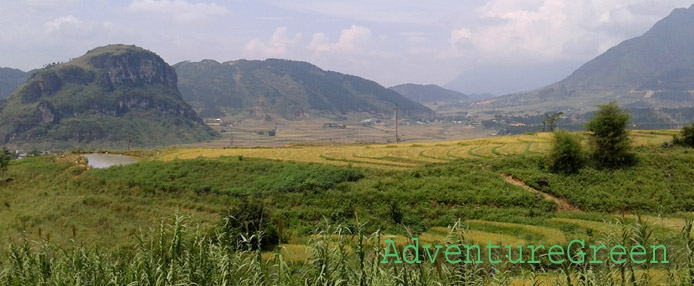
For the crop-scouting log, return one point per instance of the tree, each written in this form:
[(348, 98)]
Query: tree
[(5, 158), (686, 137), (549, 123), (566, 155), (609, 137)]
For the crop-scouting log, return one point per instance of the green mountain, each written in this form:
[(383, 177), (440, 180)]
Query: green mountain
[(112, 96), (653, 70), (288, 89), (10, 80), (429, 93)]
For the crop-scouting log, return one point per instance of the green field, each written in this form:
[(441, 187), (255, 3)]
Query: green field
[(319, 200)]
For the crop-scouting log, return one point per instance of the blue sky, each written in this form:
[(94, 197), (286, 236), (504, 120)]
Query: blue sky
[(497, 46)]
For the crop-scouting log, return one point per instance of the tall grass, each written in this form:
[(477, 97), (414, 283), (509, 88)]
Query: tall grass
[(178, 254)]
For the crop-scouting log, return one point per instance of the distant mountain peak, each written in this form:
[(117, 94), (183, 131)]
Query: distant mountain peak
[(429, 93), (655, 69)]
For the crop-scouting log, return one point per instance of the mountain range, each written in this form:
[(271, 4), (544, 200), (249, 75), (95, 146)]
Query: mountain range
[(112, 96), (654, 70), (429, 94), (286, 89), (121, 94)]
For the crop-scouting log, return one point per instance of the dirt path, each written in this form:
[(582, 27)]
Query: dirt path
[(562, 204)]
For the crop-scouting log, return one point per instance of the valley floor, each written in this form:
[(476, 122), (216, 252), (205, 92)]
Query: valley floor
[(493, 189)]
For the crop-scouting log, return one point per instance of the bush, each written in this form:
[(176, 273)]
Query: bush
[(243, 225), (609, 137), (686, 137), (566, 155), (395, 212)]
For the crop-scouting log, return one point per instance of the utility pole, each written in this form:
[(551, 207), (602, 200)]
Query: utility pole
[(231, 137), (129, 132), (397, 136)]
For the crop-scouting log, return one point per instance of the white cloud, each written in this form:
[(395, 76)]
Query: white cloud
[(549, 30), (352, 41), (460, 40), (61, 22), (277, 46), (182, 11)]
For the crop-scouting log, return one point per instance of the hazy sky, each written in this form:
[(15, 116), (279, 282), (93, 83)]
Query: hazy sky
[(499, 46)]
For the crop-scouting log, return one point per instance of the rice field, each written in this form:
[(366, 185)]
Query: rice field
[(545, 234), (600, 227), (406, 156), (401, 156)]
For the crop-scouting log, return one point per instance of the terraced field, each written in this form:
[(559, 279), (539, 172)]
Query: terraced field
[(402, 156), (558, 230)]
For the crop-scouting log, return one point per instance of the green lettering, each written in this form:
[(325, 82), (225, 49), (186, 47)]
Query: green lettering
[(489, 248), (532, 253), (553, 252), (654, 247), (390, 243), (416, 252), (479, 254), (437, 247), (621, 253), (520, 255), (595, 253), (580, 253), (633, 252), (448, 252)]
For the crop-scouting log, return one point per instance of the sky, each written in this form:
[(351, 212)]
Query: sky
[(474, 46)]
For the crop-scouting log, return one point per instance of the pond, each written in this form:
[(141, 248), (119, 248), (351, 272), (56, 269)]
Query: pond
[(102, 161)]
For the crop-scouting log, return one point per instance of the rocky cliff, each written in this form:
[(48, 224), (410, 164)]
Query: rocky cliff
[(110, 95)]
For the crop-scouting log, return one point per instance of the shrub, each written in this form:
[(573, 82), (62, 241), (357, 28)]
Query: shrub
[(686, 137), (566, 155), (609, 137), (396, 214), (243, 225)]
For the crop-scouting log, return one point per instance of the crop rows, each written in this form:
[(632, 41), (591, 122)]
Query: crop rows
[(402, 155)]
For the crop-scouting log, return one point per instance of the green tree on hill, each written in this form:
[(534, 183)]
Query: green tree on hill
[(549, 123), (566, 155), (609, 137), (686, 137), (5, 158)]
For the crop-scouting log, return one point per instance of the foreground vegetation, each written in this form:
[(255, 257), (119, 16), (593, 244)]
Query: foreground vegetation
[(70, 225), (175, 254)]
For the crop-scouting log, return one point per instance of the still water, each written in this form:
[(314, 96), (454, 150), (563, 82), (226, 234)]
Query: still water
[(102, 161)]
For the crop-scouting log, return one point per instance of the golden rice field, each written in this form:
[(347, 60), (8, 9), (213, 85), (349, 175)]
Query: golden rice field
[(405, 156), (402, 156)]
